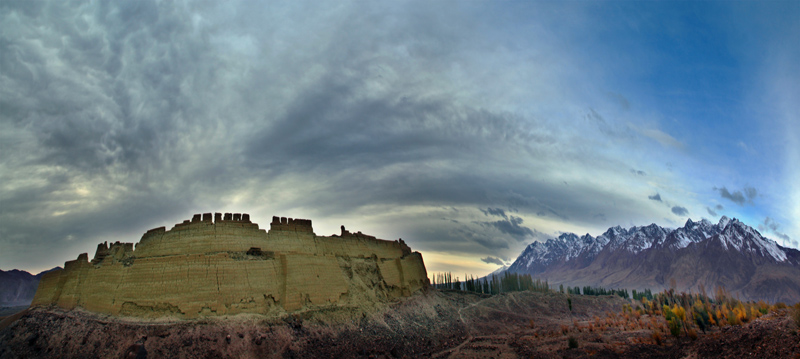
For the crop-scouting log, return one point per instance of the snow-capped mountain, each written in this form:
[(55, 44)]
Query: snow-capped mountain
[(498, 271), (727, 253), (740, 237)]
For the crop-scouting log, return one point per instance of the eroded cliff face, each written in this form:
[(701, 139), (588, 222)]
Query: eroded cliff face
[(229, 266)]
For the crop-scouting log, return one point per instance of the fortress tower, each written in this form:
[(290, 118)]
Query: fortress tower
[(227, 265)]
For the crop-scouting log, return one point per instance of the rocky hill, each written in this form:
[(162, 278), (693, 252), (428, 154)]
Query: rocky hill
[(699, 254), (228, 265)]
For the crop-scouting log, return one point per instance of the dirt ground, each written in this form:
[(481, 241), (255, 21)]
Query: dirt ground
[(438, 324)]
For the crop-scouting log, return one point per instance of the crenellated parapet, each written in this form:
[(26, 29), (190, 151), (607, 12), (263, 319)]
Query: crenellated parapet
[(206, 219), (291, 224)]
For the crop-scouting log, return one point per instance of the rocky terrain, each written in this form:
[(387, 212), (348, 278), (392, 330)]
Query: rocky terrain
[(438, 324), (699, 254)]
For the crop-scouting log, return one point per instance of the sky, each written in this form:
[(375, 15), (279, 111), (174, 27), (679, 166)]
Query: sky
[(469, 129)]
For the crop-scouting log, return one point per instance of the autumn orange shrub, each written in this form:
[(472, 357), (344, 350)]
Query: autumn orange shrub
[(656, 338)]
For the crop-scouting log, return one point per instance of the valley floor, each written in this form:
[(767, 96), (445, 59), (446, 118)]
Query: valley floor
[(438, 324)]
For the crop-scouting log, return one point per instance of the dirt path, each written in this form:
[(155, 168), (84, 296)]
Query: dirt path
[(479, 346)]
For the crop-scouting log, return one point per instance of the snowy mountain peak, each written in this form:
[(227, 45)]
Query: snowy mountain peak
[(568, 237), (743, 238), (732, 234), (723, 222), (498, 271)]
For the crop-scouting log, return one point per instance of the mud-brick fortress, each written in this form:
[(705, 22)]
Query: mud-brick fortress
[(226, 265)]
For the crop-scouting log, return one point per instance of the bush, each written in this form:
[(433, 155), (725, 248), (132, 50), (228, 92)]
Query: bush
[(572, 343), (656, 338), (675, 327), (734, 319), (796, 314), (692, 334), (701, 318)]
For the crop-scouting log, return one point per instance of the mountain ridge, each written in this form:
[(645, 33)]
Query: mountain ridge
[(697, 255), (17, 287)]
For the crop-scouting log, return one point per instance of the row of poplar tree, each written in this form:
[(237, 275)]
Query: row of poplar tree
[(513, 282), (493, 284)]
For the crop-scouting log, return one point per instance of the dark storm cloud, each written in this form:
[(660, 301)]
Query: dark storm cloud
[(492, 260), (680, 211), (655, 197), (511, 226), (490, 243), (334, 126), (495, 212), (746, 195), (99, 97)]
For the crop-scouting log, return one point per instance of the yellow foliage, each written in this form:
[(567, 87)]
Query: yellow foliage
[(733, 318), (754, 313), (679, 312), (698, 303), (666, 311), (741, 313)]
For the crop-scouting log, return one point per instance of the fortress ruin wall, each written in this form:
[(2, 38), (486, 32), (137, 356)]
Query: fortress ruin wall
[(224, 264)]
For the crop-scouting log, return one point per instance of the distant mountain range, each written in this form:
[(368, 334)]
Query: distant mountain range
[(17, 287), (728, 253)]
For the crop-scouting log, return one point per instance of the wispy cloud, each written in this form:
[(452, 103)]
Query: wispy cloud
[(713, 211), (681, 211), (770, 225), (746, 195), (662, 137), (492, 260)]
